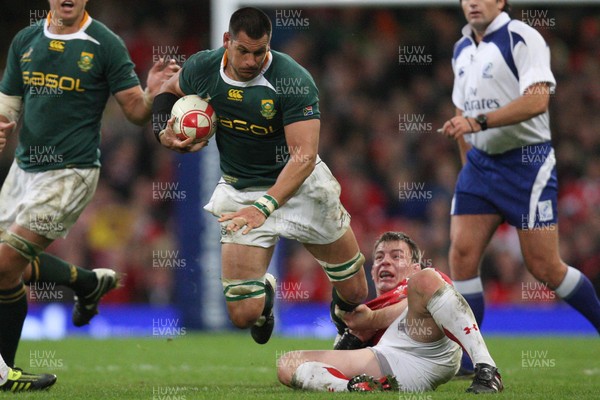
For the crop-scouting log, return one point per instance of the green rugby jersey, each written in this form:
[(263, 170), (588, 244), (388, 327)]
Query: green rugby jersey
[(65, 82), (252, 115)]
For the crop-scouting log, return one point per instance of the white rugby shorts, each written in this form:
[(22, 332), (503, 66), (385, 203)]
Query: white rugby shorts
[(47, 203), (417, 366), (313, 215)]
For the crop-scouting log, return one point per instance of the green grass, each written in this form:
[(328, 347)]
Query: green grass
[(231, 366)]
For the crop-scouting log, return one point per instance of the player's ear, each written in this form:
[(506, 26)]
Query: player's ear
[(226, 39), (501, 4)]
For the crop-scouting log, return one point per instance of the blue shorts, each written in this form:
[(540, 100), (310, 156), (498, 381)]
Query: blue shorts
[(520, 185)]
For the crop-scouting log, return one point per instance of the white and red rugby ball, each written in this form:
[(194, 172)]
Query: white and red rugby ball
[(194, 118)]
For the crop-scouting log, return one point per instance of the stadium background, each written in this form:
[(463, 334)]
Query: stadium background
[(385, 80)]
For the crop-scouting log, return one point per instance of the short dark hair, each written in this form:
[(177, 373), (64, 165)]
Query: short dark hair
[(254, 22), (416, 255), (506, 7)]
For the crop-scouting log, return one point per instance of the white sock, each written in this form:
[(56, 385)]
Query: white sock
[(313, 375), (453, 315), (4, 369), (470, 286), (569, 283)]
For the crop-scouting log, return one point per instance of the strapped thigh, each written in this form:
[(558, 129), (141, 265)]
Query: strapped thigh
[(345, 270), (24, 247)]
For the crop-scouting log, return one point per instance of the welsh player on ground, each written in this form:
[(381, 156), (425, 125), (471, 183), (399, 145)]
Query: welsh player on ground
[(406, 339)]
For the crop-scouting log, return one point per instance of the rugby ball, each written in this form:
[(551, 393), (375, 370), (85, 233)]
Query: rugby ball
[(194, 118)]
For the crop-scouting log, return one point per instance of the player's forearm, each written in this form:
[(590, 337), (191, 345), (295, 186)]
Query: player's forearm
[(365, 320), (302, 139), (293, 175), (141, 109), (136, 104)]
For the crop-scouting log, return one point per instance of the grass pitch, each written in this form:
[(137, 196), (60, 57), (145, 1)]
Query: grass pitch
[(232, 366)]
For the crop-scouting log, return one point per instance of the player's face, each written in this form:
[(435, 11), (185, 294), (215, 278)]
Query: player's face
[(67, 13), (245, 56), (480, 13), (392, 264)]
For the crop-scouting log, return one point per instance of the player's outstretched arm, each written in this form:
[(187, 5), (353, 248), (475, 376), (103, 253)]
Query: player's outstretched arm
[(137, 103)]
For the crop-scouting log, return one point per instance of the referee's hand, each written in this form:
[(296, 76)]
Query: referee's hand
[(458, 126)]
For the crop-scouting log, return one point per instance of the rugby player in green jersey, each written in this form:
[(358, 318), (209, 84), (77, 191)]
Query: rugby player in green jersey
[(273, 182), (59, 75)]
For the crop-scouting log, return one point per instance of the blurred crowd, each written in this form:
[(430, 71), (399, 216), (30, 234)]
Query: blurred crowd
[(385, 83)]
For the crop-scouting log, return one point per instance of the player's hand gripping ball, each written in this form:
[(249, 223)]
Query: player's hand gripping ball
[(194, 118)]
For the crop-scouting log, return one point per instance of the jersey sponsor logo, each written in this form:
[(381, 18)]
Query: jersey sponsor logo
[(235, 95), (26, 57), (57, 45), (85, 61), (480, 104), (245, 126), (267, 108), (52, 81)]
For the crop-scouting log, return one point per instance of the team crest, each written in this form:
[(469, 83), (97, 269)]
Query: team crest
[(26, 57), (267, 108), (85, 61)]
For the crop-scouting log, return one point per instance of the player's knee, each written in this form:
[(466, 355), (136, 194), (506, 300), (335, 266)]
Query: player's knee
[(464, 262), (425, 283), (244, 317), (9, 280), (12, 265), (459, 252)]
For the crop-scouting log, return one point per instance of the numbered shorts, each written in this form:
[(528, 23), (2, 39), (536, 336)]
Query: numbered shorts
[(313, 215), (47, 203), (417, 366), (520, 185)]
